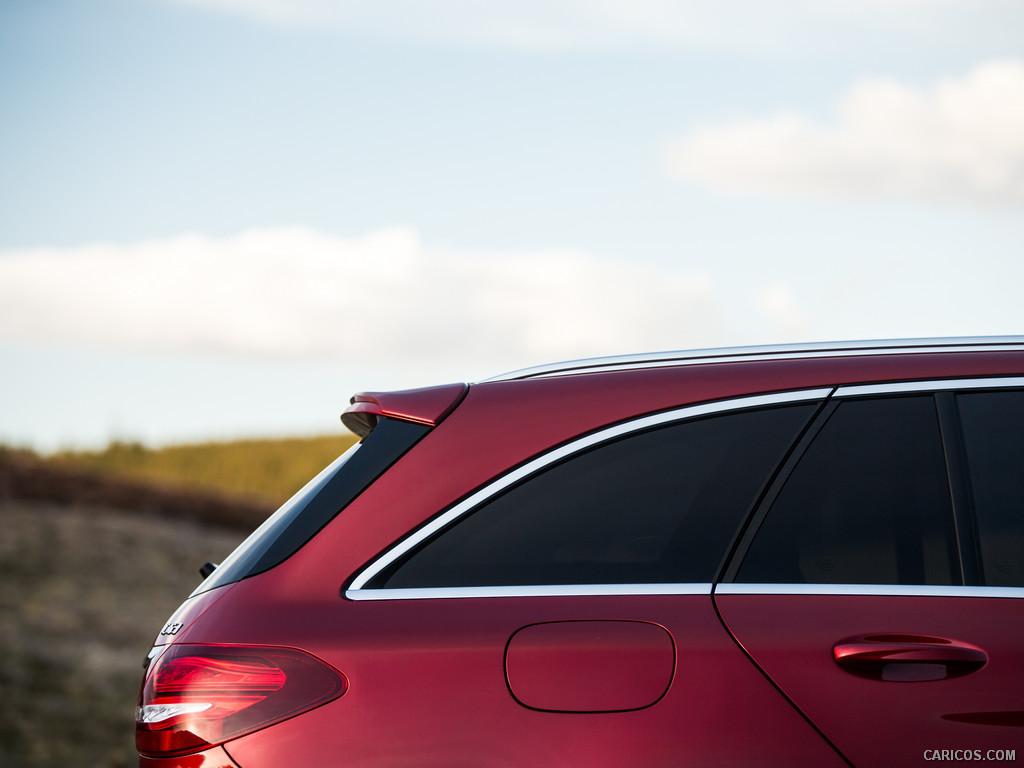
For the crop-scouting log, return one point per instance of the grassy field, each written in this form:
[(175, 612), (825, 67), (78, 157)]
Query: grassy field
[(96, 551), (268, 471)]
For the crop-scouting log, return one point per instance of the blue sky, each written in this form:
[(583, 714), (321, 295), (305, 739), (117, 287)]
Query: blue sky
[(221, 218)]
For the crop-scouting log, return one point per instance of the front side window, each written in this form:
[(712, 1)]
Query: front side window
[(993, 429), (868, 503), (659, 506)]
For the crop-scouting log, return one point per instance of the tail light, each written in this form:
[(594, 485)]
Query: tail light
[(197, 696)]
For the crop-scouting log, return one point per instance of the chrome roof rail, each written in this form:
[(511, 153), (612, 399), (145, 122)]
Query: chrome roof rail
[(779, 352)]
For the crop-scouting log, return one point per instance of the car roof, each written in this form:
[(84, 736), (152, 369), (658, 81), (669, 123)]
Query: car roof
[(763, 353), (667, 379)]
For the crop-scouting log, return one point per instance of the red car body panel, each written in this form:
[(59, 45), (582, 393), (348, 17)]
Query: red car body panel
[(423, 406), (604, 681), (879, 722), (208, 758), (498, 425), (428, 687), (590, 666)]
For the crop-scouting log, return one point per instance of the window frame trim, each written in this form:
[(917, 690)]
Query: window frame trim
[(933, 386), (881, 590), (356, 589), (527, 590)]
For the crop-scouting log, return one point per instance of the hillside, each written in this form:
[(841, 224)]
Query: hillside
[(94, 556), (83, 591)]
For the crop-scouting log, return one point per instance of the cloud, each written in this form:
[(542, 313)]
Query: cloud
[(383, 298), (959, 142), (778, 304), (736, 25)]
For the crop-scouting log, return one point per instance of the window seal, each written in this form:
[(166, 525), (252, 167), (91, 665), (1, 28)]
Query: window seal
[(555, 590), (881, 590), (926, 386)]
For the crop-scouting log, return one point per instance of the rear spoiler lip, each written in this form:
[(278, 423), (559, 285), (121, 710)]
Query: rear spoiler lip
[(427, 406)]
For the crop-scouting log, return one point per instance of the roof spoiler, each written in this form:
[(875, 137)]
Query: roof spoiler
[(421, 406)]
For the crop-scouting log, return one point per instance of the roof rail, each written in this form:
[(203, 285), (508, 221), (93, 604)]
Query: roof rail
[(778, 352)]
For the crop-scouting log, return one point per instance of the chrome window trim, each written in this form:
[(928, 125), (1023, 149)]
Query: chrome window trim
[(355, 589), (877, 590), (760, 353), (558, 590), (937, 385)]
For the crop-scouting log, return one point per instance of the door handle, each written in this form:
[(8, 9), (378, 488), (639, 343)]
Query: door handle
[(907, 658)]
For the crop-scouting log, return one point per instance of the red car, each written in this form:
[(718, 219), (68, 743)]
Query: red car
[(798, 556)]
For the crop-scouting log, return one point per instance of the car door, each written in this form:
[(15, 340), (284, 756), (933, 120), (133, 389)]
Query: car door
[(878, 587)]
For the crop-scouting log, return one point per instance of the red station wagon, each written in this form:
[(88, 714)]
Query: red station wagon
[(796, 556)]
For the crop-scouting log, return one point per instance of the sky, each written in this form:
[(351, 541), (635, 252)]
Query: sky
[(223, 218)]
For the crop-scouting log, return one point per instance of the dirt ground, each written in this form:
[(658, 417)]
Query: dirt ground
[(83, 592)]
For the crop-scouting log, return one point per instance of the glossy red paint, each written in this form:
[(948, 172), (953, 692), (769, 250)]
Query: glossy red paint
[(175, 629), (210, 758), (613, 680), (421, 406), (500, 424), (589, 666), (424, 406), (907, 657), (793, 637), (428, 687)]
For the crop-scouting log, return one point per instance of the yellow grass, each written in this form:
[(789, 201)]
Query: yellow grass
[(270, 470)]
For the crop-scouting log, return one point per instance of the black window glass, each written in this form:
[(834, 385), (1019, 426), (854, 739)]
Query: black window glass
[(993, 426), (868, 503), (659, 506), (282, 534)]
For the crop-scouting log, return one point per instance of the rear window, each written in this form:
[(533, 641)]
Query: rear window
[(653, 507), (301, 517)]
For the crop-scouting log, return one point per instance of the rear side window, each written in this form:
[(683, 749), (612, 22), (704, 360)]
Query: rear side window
[(654, 507), (993, 429), (868, 503), (309, 510)]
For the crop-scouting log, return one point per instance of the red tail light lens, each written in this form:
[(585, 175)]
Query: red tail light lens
[(196, 696)]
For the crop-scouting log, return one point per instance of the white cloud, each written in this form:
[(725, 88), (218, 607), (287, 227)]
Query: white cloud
[(960, 141), (785, 316), (380, 299), (738, 25)]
